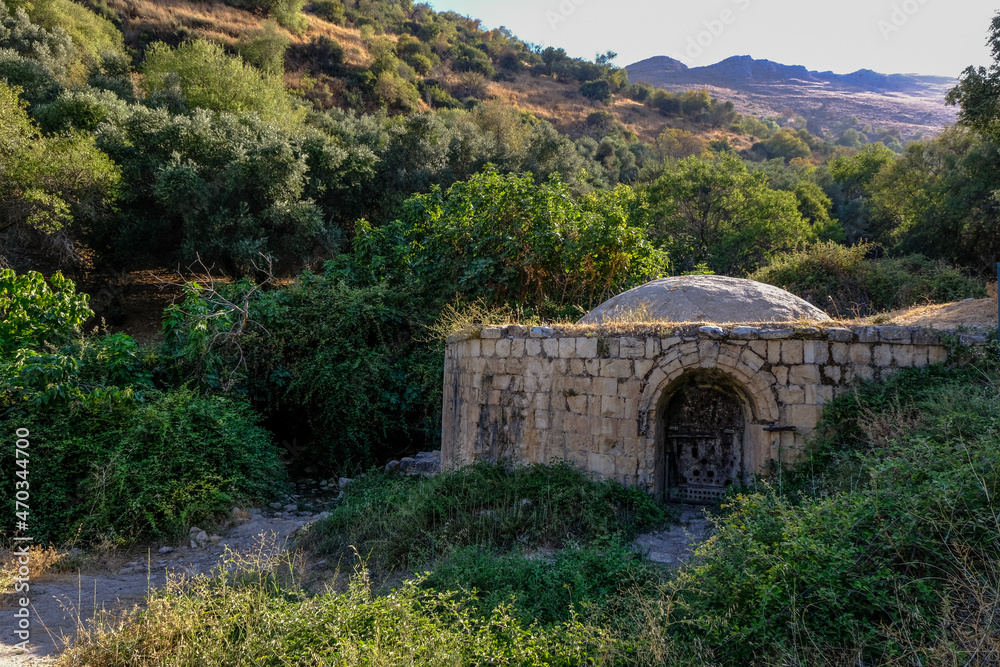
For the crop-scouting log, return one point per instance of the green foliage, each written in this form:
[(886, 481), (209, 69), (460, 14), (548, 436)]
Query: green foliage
[(94, 36), (504, 238), (254, 614), (843, 282), (142, 469), (330, 10), (265, 49), (939, 199), (785, 144), (206, 77), (287, 12), (52, 49), (337, 365), (544, 589), (716, 212), (229, 187), (977, 90), (46, 181), (597, 90), (34, 314), (401, 521)]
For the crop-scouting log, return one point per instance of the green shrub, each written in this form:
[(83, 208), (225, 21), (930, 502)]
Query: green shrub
[(142, 469), (402, 521), (331, 10), (859, 548), (35, 312), (209, 78), (843, 282), (265, 49), (545, 588), (254, 615)]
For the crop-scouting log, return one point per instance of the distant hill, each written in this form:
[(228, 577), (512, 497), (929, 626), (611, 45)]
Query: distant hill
[(907, 102)]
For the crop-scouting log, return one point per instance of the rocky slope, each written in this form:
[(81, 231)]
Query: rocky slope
[(908, 102)]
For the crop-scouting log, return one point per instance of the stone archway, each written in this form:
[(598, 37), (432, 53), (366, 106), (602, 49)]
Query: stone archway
[(702, 427)]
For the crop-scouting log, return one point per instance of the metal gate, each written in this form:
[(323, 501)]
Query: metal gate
[(704, 444)]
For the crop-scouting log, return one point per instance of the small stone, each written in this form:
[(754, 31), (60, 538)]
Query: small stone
[(344, 482), (215, 539), (165, 550), (541, 332), (201, 537), (775, 334), (712, 332), (392, 466), (194, 545), (276, 506), (745, 333), (194, 531), (290, 507)]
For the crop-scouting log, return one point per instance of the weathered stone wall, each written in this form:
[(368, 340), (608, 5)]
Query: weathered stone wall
[(534, 395)]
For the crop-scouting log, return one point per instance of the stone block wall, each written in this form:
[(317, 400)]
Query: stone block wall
[(593, 398)]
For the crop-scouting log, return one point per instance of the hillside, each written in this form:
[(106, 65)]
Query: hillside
[(909, 103)]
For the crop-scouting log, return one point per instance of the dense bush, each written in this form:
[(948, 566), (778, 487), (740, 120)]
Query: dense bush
[(542, 587), (400, 521), (227, 186), (716, 212), (200, 74), (253, 614), (150, 469), (842, 281), (337, 367), (507, 239), (866, 548), (112, 457)]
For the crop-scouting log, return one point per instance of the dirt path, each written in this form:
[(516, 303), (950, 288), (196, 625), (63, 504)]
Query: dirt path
[(60, 604), (676, 544)]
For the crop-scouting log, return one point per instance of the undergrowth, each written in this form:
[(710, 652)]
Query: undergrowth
[(882, 549), (396, 521)]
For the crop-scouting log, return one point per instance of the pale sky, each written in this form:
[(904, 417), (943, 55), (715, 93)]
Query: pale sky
[(940, 37)]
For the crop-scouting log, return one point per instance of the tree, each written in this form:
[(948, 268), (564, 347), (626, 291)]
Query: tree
[(47, 181), (509, 240), (978, 90), (716, 212), (206, 77)]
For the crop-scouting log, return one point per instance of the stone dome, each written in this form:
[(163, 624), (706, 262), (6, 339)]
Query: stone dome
[(705, 299)]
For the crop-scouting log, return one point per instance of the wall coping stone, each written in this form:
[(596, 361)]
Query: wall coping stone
[(862, 334)]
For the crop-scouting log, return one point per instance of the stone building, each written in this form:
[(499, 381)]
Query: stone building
[(681, 410)]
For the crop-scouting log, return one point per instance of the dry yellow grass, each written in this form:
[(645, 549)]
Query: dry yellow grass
[(562, 105)]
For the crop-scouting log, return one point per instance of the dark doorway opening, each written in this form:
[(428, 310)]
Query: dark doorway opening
[(703, 439)]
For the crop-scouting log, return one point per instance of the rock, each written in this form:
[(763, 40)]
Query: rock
[(276, 506), (392, 466), (215, 539), (705, 299), (194, 545), (424, 463), (194, 531), (290, 507), (344, 482), (165, 550), (201, 537)]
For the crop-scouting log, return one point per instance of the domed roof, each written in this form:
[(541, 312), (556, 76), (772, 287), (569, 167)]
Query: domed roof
[(705, 299)]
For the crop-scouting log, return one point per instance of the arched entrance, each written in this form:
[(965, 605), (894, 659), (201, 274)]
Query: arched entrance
[(703, 426)]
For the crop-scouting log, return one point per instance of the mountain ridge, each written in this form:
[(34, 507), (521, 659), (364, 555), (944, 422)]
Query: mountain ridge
[(912, 103)]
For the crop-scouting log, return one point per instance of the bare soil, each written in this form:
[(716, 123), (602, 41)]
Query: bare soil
[(120, 582), (971, 313)]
